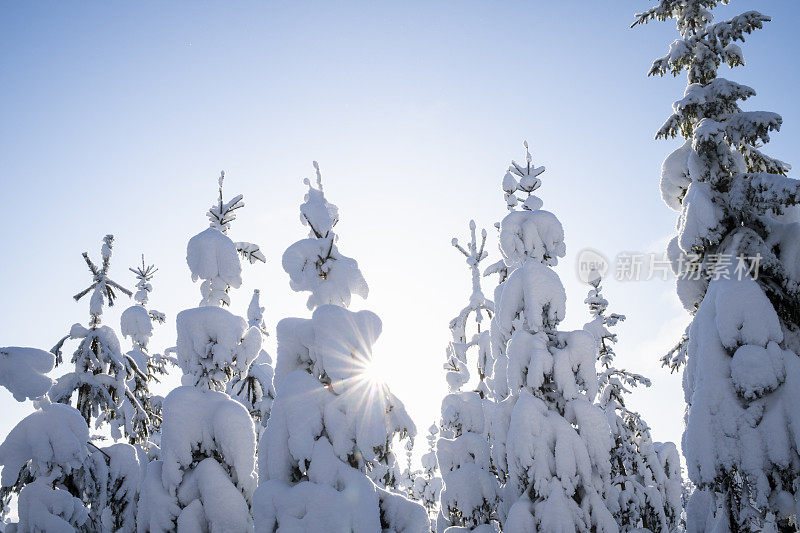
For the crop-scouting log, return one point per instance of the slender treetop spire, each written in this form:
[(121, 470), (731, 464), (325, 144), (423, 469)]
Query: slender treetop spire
[(474, 254), (102, 286), (319, 176), (524, 179), (144, 274), (222, 213)]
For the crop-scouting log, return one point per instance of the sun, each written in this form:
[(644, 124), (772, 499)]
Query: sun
[(375, 372)]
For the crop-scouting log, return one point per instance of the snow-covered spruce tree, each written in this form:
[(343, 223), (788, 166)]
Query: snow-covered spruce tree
[(44, 462), (551, 445), (328, 439), (62, 484), (255, 389), (736, 256), (426, 484), (136, 322), (101, 376), (206, 476), (23, 371), (469, 498), (645, 474)]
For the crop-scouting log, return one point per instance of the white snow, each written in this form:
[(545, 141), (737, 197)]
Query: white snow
[(51, 441), (317, 266), (212, 257), (208, 463), (42, 508), (22, 371), (534, 235), (675, 176), (213, 342), (135, 323)]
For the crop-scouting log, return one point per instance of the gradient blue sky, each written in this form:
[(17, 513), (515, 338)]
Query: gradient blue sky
[(117, 117)]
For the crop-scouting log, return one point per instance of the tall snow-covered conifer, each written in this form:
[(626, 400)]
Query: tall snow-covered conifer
[(325, 458), (100, 379), (255, 389), (44, 455), (205, 478), (136, 322), (64, 481), (645, 475), (551, 445), (736, 256), (44, 461), (469, 498), (427, 484)]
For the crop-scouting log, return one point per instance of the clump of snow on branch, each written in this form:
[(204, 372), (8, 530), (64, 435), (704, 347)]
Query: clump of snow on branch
[(213, 343), (23, 371)]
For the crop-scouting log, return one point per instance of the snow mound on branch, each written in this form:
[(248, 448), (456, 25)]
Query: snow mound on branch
[(463, 412), (534, 235), (545, 449), (317, 213), (212, 257), (466, 469), (135, 323), (22, 371), (534, 290), (336, 497), (700, 219), (529, 361), (756, 371), (52, 439), (209, 497), (207, 421), (256, 387), (356, 423), (44, 508), (574, 371), (317, 266), (343, 343), (118, 471), (157, 509), (335, 342), (213, 341), (732, 424), (744, 314), (675, 178)]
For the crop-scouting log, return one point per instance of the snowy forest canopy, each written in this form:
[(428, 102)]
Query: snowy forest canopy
[(536, 432)]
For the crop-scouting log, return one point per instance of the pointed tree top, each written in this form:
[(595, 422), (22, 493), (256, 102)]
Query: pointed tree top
[(221, 214), (102, 287), (524, 179), (319, 176), (144, 274)]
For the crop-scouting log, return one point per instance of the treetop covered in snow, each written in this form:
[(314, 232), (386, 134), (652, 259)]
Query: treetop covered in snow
[(325, 457), (315, 264), (213, 257), (102, 287)]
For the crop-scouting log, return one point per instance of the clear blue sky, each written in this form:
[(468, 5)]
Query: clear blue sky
[(116, 118)]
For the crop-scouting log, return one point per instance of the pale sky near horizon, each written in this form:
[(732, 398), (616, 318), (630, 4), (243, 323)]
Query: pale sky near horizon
[(116, 118)]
